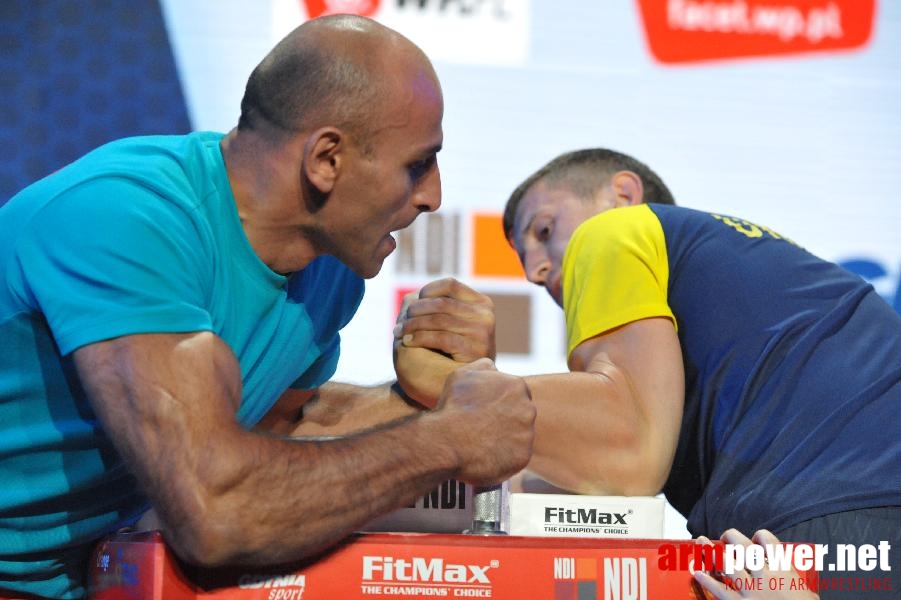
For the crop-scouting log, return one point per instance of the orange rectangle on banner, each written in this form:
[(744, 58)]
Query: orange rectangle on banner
[(492, 255), (681, 31)]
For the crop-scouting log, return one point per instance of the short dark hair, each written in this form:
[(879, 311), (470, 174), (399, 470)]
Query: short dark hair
[(583, 172)]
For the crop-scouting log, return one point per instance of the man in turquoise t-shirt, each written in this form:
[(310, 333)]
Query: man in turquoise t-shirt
[(170, 316)]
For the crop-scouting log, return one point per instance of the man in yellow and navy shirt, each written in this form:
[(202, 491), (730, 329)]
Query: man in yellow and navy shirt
[(755, 384)]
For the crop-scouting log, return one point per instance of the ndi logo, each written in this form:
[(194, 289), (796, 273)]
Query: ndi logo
[(623, 578)]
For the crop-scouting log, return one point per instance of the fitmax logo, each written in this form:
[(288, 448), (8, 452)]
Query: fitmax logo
[(583, 516), (434, 570)]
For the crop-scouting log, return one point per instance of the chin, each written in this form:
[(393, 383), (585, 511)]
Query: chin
[(367, 270), (373, 265), (366, 267), (370, 273)]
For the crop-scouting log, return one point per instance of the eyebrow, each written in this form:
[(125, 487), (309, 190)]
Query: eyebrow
[(522, 233), (528, 225), (427, 154)]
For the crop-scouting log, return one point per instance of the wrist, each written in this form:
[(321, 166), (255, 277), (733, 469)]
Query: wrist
[(421, 374), (398, 391), (443, 444)]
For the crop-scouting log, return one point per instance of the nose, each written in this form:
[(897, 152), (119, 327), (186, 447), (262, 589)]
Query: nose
[(537, 266), (427, 196)]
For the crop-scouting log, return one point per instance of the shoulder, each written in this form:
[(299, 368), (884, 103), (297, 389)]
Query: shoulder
[(619, 222), (611, 231), (148, 182)]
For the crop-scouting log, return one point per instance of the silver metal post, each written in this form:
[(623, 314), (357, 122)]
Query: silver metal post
[(488, 510)]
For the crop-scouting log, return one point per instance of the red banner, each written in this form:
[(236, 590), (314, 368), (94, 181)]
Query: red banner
[(682, 31)]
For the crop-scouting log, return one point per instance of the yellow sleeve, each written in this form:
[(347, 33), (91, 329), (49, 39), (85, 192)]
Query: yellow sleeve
[(615, 271)]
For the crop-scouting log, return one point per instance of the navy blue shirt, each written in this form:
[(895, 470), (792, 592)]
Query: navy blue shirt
[(792, 364)]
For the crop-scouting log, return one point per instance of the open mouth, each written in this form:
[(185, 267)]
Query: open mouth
[(393, 234)]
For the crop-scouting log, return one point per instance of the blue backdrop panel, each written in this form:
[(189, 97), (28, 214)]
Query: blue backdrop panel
[(77, 73)]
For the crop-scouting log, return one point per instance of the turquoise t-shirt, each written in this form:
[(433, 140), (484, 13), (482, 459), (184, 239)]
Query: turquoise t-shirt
[(140, 236)]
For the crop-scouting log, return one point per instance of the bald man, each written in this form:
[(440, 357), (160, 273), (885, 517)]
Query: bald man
[(170, 316)]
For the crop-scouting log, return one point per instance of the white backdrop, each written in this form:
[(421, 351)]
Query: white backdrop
[(805, 143)]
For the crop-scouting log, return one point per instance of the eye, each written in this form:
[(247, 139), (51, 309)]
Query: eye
[(543, 230), (418, 169)]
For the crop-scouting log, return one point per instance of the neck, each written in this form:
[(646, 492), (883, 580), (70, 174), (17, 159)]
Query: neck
[(269, 201)]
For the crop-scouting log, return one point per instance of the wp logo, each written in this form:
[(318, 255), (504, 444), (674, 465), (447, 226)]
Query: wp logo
[(686, 31)]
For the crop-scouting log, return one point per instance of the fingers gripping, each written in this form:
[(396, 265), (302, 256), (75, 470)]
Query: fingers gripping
[(448, 317)]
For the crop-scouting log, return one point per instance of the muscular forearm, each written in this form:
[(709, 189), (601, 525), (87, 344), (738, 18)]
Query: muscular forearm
[(226, 495), (340, 409), (592, 438), (611, 426), (306, 494)]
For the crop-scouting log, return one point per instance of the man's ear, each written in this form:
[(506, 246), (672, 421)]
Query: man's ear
[(323, 154), (627, 188)]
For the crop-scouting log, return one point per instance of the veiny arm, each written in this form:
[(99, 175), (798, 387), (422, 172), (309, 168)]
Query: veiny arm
[(227, 495), (611, 425)]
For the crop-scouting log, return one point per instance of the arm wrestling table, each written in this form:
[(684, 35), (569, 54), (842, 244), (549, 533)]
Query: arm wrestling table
[(480, 563), (138, 566)]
